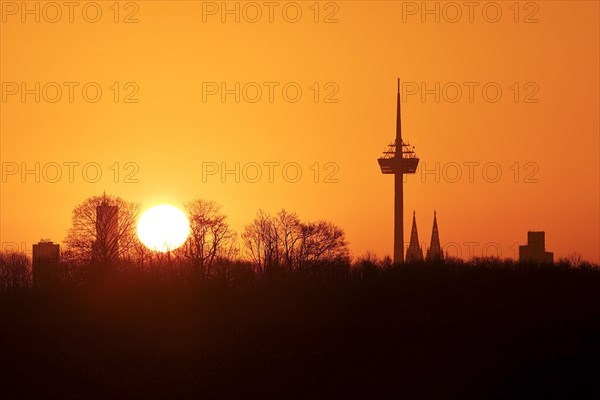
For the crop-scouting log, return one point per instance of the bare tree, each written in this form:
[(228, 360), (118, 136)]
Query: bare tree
[(102, 230), (323, 242), (15, 272), (290, 237), (573, 259), (261, 241), (284, 241), (210, 235)]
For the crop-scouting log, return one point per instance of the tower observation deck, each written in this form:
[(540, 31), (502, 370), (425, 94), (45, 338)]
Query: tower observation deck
[(398, 159)]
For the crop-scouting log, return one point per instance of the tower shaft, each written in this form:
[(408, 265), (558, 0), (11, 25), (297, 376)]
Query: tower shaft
[(398, 218)]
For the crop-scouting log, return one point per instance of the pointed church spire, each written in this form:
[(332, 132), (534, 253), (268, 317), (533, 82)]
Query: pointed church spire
[(414, 252), (435, 249)]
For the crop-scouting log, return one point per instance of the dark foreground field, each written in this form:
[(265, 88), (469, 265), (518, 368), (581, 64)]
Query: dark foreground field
[(423, 331)]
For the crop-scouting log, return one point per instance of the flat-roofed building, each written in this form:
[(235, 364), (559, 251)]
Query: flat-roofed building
[(535, 249), (46, 264)]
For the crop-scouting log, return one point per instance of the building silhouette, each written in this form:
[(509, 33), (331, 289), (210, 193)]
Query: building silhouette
[(535, 249), (105, 248), (398, 159), (46, 264), (434, 252), (414, 252)]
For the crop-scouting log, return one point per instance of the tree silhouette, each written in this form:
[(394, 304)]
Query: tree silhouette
[(574, 259), (261, 241), (102, 230), (285, 241), (15, 272), (290, 236), (210, 236), (323, 242)]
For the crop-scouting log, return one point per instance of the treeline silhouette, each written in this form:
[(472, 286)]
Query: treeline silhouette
[(487, 328), (291, 315), (174, 269), (102, 244)]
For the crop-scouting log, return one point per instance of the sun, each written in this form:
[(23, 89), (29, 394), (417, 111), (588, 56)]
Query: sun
[(163, 228)]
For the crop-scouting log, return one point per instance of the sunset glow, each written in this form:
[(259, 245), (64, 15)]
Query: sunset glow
[(223, 118), (324, 199)]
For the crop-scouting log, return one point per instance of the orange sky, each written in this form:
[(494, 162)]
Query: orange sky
[(175, 129)]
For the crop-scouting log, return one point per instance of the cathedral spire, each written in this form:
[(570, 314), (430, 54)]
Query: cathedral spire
[(414, 252), (435, 249)]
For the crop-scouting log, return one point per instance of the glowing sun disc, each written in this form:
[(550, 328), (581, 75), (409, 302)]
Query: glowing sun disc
[(163, 228)]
